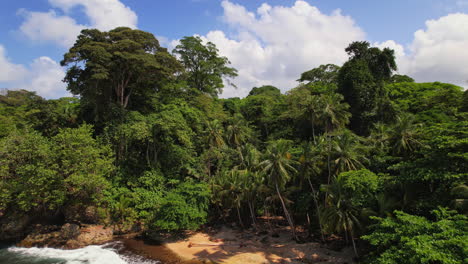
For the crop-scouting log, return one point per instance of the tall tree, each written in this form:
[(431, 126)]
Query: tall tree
[(348, 152), (278, 166), (333, 114), (310, 168), (205, 68), (107, 68), (361, 80), (327, 74), (403, 135)]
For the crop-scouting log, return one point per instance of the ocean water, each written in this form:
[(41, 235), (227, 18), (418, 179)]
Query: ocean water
[(111, 253)]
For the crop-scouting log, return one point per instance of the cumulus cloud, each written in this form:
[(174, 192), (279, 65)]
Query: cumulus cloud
[(9, 71), (50, 27), (276, 44), (438, 52), (63, 29), (103, 14), (43, 75)]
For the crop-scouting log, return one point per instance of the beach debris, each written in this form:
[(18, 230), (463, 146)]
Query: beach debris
[(191, 244)]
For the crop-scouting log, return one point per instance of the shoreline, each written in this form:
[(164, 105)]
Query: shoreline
[(220, 245), (235, 247)]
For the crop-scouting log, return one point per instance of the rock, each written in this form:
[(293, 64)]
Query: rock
[(68, 236), (265, 240), (52, 239), (81, 214), (14, 227), (91, 235), (69, 231)]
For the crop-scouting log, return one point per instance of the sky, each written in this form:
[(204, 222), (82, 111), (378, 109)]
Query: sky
[(269, 42)]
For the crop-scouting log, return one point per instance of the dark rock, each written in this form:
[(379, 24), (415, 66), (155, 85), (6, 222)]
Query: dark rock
[(265, 240), (14, 227), (68, 236), (81, 214), (69, 231)]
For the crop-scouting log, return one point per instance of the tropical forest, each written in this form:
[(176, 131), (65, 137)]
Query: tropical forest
[(355, 156)]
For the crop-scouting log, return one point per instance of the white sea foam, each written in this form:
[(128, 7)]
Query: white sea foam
[(105, 254)]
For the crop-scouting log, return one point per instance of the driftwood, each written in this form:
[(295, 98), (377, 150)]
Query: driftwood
[(240, 245)]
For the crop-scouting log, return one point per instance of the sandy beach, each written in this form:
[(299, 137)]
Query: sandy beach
[(235, 247)]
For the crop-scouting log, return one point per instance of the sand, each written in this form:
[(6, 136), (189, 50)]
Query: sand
[(233, 247)]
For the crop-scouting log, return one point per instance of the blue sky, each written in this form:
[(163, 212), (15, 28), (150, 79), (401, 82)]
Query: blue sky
[(271, 45)]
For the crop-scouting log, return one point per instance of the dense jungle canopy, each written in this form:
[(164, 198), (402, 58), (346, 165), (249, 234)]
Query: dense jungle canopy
[(354, 150)]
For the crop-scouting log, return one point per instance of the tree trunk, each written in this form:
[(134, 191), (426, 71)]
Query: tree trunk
[(286, 213), (252, 214), (354, 244), (316, 208), (313, 130), (239, 215), (328, 162)]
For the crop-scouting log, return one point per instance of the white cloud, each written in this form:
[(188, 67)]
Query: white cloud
[(276, 44), (50, 27), (63, 29), (9, 71), (438, 52), (103, 14), (43, 75)]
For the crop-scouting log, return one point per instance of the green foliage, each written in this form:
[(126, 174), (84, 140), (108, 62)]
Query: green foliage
[(397, 78), (41, 174), (266, 89), (108, 68), (21, 109), (184, 207), (326, 74), (205, 69), (184, 158), (29, 177), (262, 111), (413, 239), (361, 81), (431, 102), (83, 163), (359, 186)]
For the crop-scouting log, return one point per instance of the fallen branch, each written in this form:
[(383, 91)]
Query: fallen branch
[(215, 245)]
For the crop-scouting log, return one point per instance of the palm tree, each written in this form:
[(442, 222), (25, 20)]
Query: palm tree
[(214, 133), (277, 166), (333, 114), (380, 135), (241, 184), (340, 215), (403, 135), (253, 180), (309, 167), (238, 131), (348, 152), (214, 138), (231, 193), (303, 105)]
